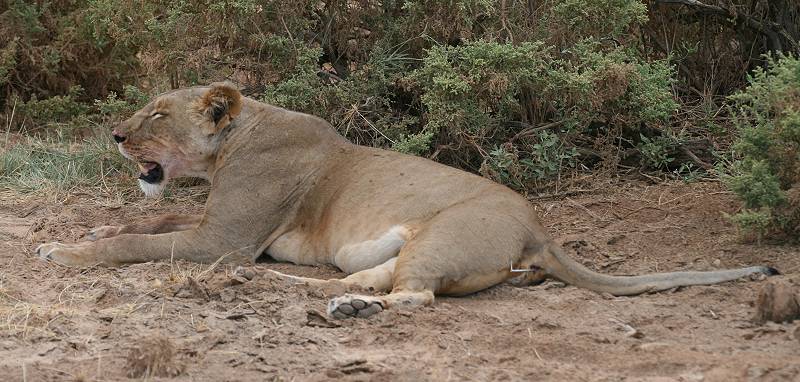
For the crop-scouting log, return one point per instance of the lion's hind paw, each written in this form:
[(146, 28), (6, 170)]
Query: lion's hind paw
[(349, 305)]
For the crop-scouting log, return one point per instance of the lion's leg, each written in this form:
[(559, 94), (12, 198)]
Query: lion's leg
[(151, 226), (200, 244), (408, 292), (378, 279), (457, 252)]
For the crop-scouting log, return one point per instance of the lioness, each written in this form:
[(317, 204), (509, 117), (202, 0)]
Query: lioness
[(286, 184)]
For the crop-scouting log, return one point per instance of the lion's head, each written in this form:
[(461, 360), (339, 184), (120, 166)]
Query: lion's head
[(177, 134)]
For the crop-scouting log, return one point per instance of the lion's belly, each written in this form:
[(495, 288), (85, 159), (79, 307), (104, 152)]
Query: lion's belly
[(351, 256), (295, 247)]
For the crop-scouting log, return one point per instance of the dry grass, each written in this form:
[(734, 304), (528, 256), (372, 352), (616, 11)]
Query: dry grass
[(153, 356), (24, 319), (62, 166), (26, 315)]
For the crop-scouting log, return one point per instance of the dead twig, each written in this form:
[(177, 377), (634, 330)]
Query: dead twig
[(582, 207), (530, 335), (9, 121), (530, 130), (768, 28), (695, 159), (555, 195)]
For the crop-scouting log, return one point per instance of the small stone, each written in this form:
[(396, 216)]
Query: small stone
[(653, 346), (238, 280), (334, 374), (227, 295), (635, 333), (245, 273), (778, 301), (555, 284), (317, 319)]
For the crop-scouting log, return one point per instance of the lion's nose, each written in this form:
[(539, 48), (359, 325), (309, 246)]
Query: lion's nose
[(119, 138)]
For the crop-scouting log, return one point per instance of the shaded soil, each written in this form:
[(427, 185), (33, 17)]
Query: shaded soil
[(203, 323)]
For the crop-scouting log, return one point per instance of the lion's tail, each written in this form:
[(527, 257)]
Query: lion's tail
[(560, 266)]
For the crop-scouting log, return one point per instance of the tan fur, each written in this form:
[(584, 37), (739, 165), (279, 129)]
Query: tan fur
[(161, 224), (286, 184)]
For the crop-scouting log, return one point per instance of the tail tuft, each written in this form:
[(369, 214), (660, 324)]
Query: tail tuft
[(770, 271)]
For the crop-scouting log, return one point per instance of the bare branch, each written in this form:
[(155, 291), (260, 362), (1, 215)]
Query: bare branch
[(772, 30)]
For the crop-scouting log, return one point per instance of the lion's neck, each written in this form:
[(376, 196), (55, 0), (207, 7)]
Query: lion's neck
[(280, 137)]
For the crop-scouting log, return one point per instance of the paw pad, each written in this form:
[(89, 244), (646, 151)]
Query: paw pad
[(352, 306)]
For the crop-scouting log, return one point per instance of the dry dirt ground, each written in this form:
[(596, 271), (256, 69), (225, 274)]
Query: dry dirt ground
[(200, 323)]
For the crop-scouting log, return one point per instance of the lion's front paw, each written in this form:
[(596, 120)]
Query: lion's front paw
[(102, 232), (74, 255)]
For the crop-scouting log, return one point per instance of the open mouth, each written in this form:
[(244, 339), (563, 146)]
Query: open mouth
[(151, 172)]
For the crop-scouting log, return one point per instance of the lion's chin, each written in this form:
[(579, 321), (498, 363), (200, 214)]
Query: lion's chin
[(151, 190), (151, 172)]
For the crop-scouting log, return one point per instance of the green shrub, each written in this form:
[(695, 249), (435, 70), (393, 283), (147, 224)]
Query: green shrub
[(114, 107), (53, 110), (521, 93), (476, 94), (766, 174), (360, 106), (8, 60), (547, 158), (600, 18), (50, 47), (414, 144)]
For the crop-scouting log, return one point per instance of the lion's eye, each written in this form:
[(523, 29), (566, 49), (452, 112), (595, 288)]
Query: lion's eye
[(157, 115)]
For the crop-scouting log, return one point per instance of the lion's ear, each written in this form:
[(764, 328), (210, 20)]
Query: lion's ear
[(219, 106)]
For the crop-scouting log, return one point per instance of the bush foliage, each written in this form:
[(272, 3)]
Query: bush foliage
[(766, 174), (526, 93)]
